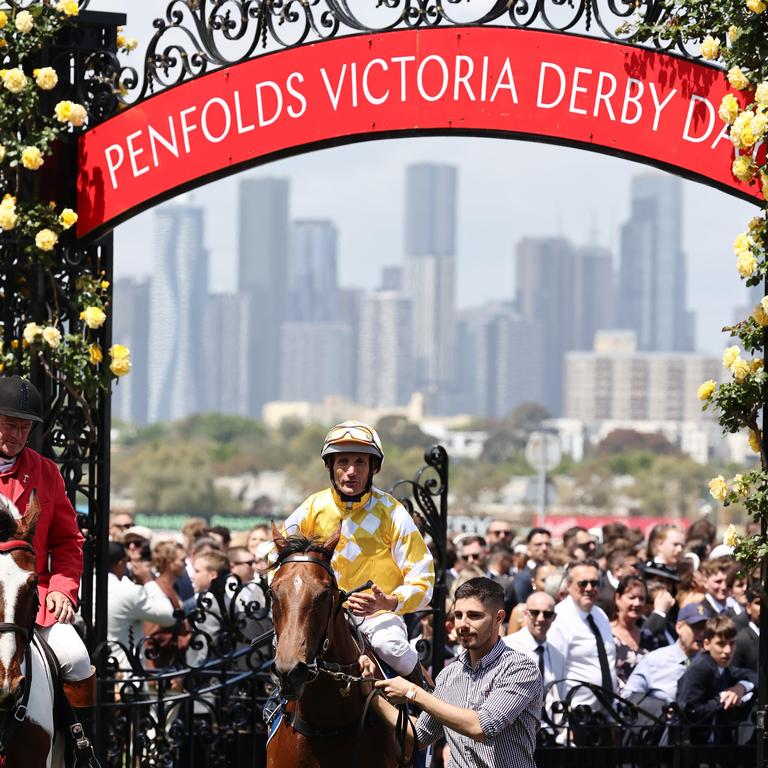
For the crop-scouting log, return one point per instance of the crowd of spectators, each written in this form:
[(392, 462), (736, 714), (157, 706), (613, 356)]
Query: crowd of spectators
[(666, 619)]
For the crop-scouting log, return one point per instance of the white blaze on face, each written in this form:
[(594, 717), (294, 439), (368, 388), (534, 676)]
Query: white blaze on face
[(12, 579), (298, 584)]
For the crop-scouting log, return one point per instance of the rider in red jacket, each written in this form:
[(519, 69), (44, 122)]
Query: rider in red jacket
[(58, 542)]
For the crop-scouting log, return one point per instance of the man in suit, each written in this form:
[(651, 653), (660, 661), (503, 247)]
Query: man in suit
[(716, 573), (532, 641), (745, 653), (539, 543), (714, 695)]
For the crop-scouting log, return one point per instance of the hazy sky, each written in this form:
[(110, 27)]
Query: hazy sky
[(507, 190)]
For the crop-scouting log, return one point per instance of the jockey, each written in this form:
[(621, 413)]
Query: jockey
[(379, 541), (57, 541)]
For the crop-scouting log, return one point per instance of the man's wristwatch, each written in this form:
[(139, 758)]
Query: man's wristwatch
[(410, 694)]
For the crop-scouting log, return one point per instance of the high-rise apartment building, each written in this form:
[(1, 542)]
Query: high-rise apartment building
[(652, 275), (313, 287), (177, 299), (597, 293), (227, 328), (618, 382), (384, 350), (548, 280), (263, 266), (130, 326), (500, 360), (429, 275), (316, 361)]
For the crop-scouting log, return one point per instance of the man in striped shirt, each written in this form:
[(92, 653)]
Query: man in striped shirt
[(487, 704)]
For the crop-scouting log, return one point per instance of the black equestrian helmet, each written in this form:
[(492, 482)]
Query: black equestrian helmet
[(19, 398)]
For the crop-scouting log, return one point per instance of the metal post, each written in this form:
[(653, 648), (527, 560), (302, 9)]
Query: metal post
[(762, 664)]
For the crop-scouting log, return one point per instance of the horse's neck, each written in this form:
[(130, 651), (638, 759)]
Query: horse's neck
[(342, 646)]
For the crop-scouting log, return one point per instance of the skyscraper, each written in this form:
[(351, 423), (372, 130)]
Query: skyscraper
[(263, 264), (596, 293), (547, 275), (652, 276), (313, 290), (429, 275), (130, 326), (177, 299), (384, 351)]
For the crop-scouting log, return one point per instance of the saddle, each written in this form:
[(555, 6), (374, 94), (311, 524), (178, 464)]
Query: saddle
[(79, 752)]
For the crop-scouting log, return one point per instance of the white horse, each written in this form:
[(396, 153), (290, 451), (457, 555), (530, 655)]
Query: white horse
[(26, 727)]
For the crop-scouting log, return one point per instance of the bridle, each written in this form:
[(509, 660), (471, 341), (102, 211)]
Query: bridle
[(10, 720)]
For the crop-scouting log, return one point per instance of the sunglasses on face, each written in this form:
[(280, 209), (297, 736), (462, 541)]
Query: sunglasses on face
[(473, 556), (534, 612), (582, 583)]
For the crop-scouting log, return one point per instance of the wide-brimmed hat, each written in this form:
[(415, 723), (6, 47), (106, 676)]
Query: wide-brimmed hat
[(658, 571)]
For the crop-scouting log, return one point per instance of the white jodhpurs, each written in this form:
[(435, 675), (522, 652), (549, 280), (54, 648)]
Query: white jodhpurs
[(69, 649), (389, 638)]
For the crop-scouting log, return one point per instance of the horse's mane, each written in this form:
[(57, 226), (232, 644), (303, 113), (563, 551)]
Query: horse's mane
[(298, 544), (7, 520)]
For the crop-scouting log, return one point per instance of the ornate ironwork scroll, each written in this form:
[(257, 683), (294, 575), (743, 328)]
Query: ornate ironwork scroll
[(426, 499), (193, 37)]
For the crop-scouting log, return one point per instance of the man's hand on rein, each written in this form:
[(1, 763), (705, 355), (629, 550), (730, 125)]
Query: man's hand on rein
[(366, 604)]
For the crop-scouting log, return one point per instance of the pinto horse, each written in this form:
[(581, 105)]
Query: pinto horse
[(324, 723), (26, 686)]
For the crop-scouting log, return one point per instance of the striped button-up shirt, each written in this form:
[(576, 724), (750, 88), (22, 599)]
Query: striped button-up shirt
[(505, 690)]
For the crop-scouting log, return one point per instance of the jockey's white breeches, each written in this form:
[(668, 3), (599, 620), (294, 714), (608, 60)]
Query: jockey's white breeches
[(69, 649), (388, 636)]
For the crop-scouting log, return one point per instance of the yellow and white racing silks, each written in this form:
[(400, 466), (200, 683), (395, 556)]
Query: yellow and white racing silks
[(379, 541)]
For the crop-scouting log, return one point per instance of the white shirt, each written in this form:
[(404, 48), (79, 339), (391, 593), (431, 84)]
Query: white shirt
[(570, 634), (554, 663), (129, 605)]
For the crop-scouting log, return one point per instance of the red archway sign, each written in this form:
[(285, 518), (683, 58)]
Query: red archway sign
[(488, 81)]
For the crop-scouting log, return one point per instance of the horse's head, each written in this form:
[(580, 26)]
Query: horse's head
[(304, 602), (18, 594)]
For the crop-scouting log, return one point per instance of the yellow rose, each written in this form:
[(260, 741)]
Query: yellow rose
[(734, 33), (31, 158), (131, 44), (78, 115), (2, 153), (31, 332), (51, 336), (119, 352), (3, 19), (46, 240), (104, 285), (8, 219), (120, 366), (737, 78), (756, 225), (93, 317), (743, 168), (46, 78), (120, 41), (740, 370), (758, 125), (740, 488), (760, 316), (741, 131), (761, 94), (24, 22), (764, 183), (756, 6), (764, 304), (718, 488), (731, 539), (68, 7), (706, 390), (710, 48), (743, 244), (730, 356), (67, 218), (94, 354), (14, 80), (729, 109), (746, 264), (63, 110), (756, 364), (754, 441)]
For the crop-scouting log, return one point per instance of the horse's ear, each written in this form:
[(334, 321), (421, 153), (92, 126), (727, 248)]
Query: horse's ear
[(333, 540), (26, 526), (278, 538)]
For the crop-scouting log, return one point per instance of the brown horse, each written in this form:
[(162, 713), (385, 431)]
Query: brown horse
[(26, 687), (323, 723)]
